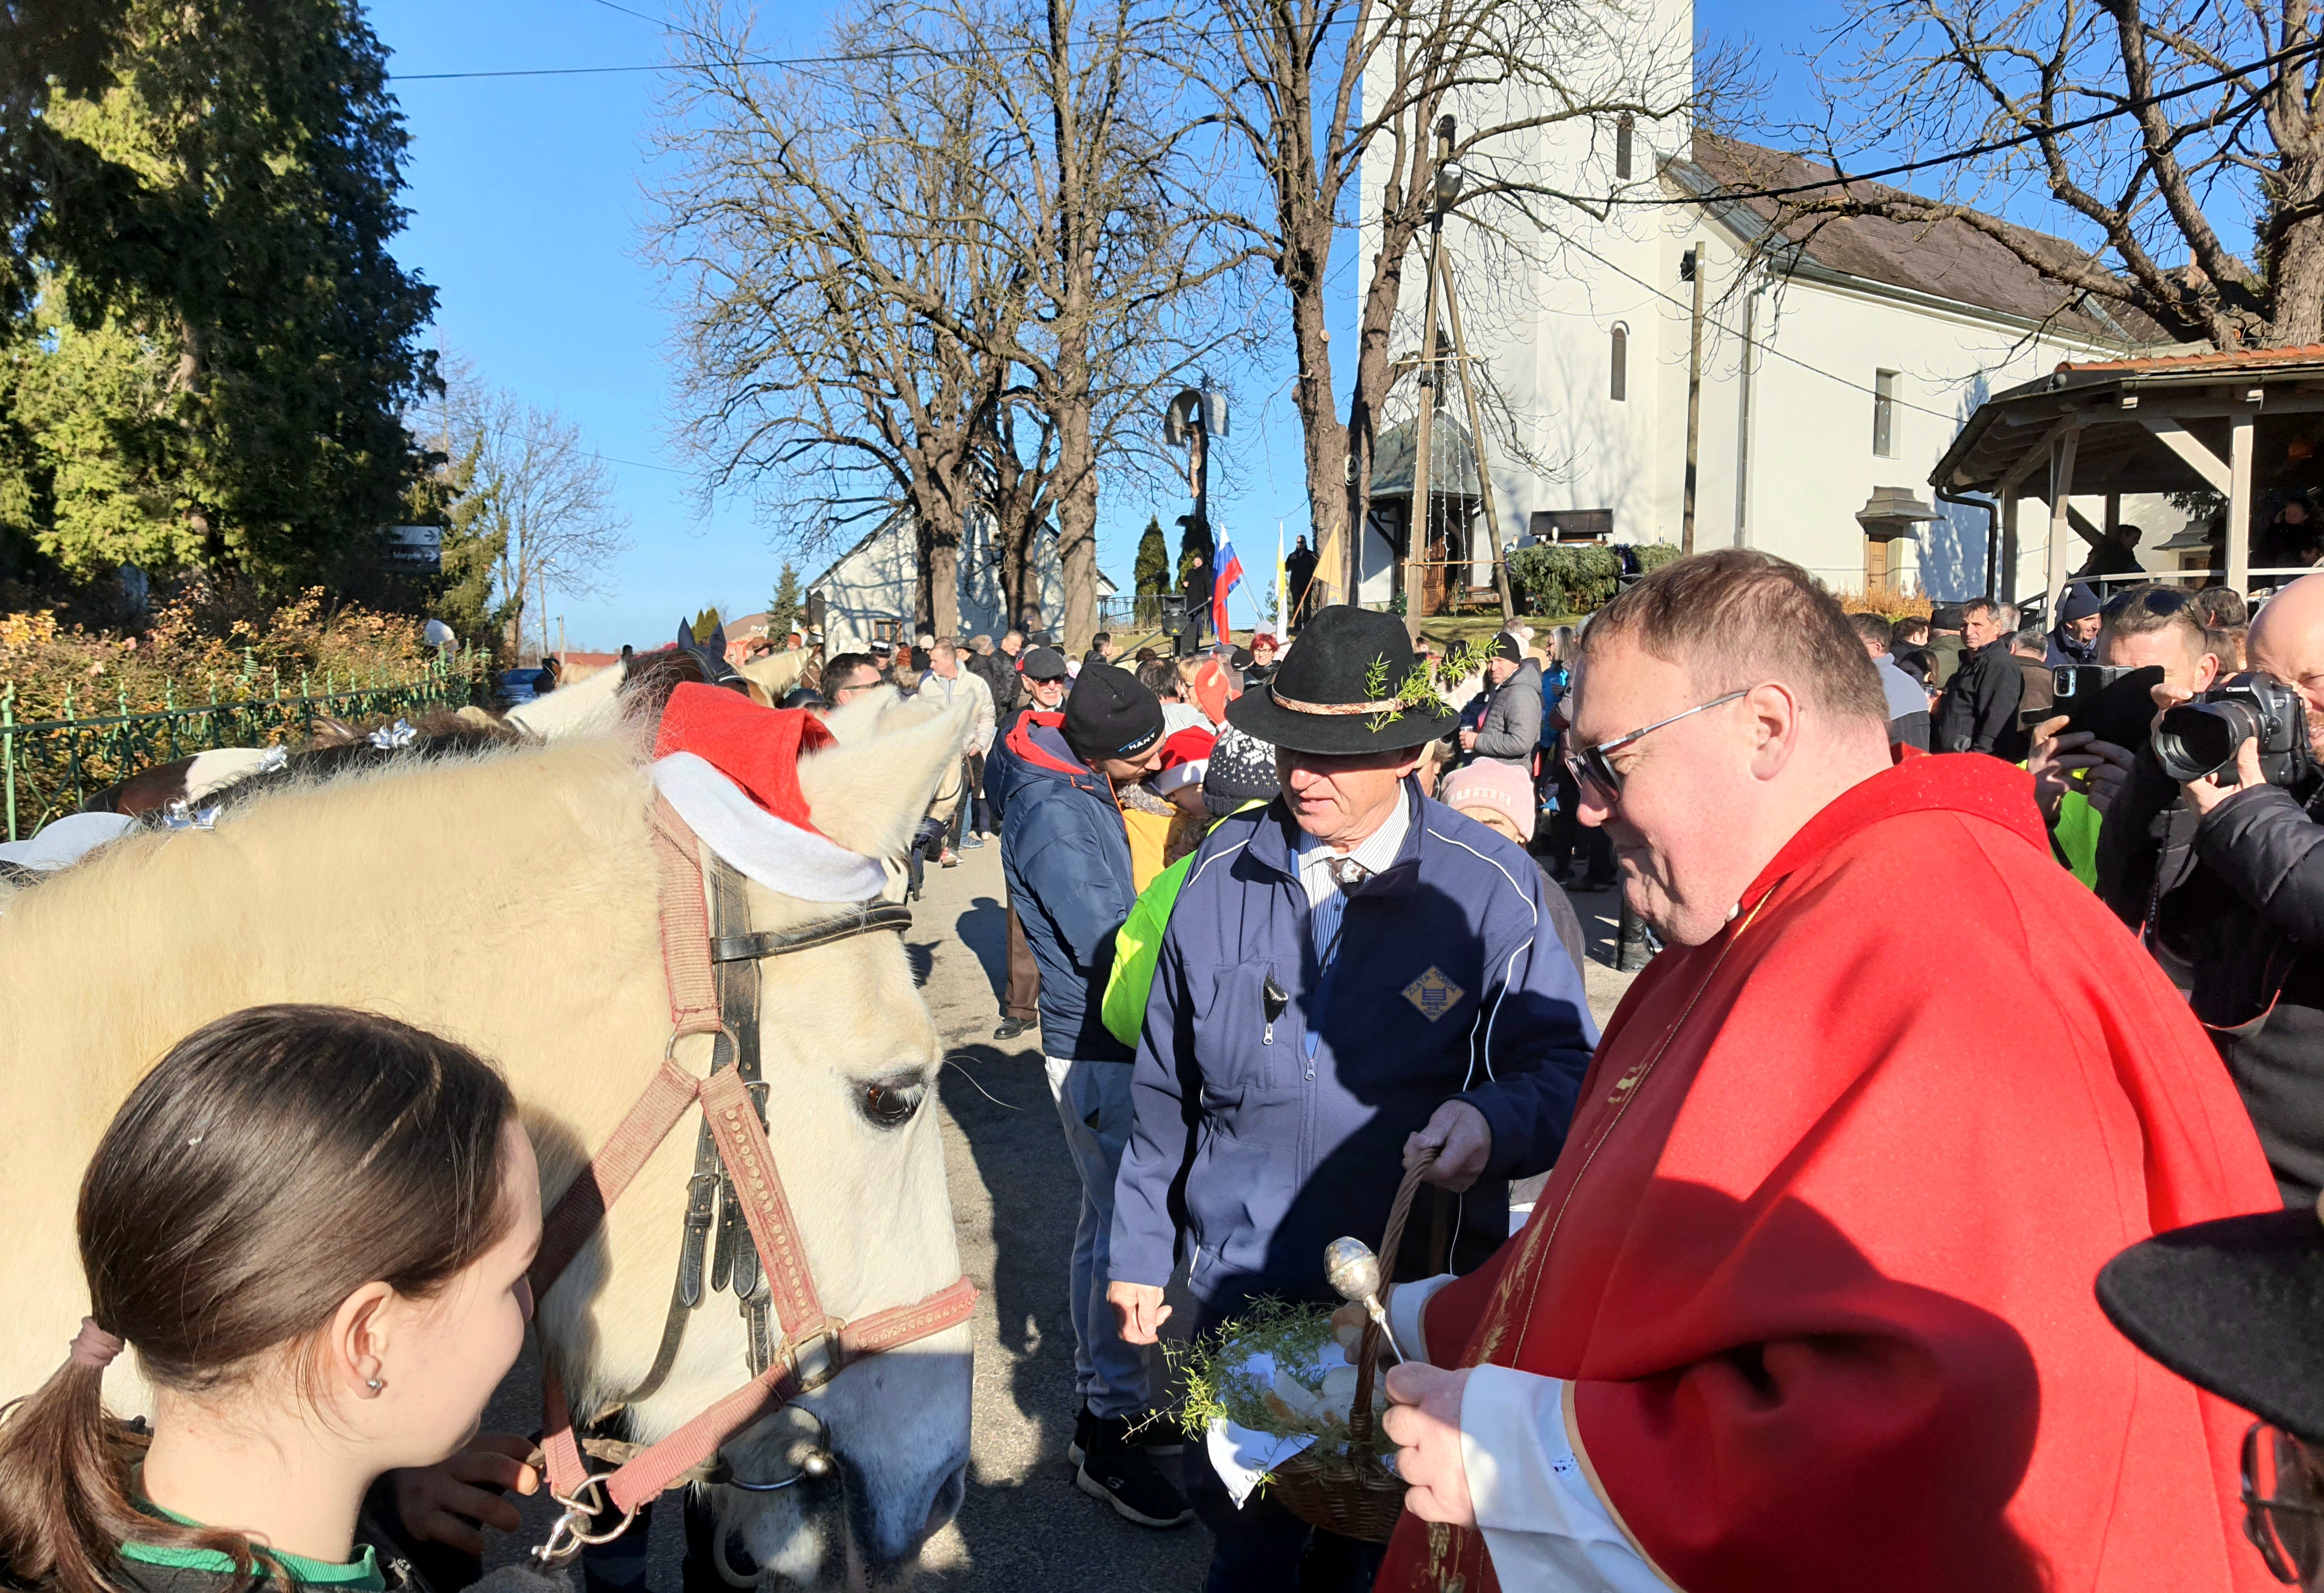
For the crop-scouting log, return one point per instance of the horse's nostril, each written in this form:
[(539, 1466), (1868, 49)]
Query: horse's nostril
[(946, 1504)]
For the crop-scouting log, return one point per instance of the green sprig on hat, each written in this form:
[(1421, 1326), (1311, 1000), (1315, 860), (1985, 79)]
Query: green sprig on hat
[(1418, 693)]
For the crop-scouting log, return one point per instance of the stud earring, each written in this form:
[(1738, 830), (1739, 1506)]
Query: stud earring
[(374, 1385)]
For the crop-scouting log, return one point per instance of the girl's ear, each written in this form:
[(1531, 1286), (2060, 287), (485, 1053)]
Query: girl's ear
[(356, 1348)]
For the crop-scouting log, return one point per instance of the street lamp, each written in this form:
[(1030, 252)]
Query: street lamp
[(1450, 178)]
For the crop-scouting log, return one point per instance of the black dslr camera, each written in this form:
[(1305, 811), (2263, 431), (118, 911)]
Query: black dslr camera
[(2203, 736)]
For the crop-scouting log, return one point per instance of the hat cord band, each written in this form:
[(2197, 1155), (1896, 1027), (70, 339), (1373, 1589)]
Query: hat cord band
[(1384, 705)]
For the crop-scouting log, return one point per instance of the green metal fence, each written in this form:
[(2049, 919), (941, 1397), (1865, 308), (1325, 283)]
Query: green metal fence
[(49, 766)]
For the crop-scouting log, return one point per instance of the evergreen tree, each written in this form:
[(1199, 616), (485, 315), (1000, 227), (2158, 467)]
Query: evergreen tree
[(782, 614), (1153, 571), (228, 309)]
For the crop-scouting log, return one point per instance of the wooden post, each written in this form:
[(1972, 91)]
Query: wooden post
[(2062, 530), (1416, 520), (1695, 263), (2005, 578), (2239, 499), (1477, 439)]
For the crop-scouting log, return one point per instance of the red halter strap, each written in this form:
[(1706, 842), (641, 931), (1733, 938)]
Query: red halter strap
[(816, 1347)]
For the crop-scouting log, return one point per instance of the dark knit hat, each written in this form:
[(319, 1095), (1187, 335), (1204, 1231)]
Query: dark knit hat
[(1945, 616), (1042, 663), (2080, 603), (1110, 715), (1242, 768), (1509, 648), (2235, 1306)]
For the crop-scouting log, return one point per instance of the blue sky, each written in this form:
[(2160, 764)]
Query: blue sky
[(527, 200)]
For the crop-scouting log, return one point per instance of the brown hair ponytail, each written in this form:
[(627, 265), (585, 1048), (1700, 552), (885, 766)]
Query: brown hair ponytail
[(275, 1162)]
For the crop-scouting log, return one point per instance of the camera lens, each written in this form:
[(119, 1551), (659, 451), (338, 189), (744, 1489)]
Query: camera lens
[(2197, 739)]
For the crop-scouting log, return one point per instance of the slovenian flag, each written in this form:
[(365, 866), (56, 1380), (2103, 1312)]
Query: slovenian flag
[(1230, 572)]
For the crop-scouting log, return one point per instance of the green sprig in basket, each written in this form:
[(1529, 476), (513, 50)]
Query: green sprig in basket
[(1341, 1487)]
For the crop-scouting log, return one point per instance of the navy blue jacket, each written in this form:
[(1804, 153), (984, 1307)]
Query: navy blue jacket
[(1066, 861), (1452, 981)]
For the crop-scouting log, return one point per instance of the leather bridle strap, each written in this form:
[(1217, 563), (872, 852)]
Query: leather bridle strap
[(816, 1347)]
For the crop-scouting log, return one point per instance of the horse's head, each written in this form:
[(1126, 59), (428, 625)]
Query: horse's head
[(850, 1057)]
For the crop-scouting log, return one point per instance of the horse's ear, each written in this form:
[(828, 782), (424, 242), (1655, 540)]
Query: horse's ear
[(869, 792), (858, 718)]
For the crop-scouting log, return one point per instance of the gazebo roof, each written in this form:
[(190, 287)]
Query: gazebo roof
[(1451, 460), (2124, 411)]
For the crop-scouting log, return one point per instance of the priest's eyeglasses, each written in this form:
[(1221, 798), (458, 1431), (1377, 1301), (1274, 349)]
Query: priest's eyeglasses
[(2283, 1503), (1592, 765)]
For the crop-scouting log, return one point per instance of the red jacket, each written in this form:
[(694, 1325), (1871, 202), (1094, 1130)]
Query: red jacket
[(1818, 1256)]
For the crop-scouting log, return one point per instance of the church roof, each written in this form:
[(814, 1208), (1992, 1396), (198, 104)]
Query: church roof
[(1944, 258)]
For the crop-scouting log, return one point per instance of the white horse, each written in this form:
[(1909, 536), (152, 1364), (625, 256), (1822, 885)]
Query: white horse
[(508, 900)]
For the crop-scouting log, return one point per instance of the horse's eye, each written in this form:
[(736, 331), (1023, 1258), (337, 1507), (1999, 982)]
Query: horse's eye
[(890, 1106)]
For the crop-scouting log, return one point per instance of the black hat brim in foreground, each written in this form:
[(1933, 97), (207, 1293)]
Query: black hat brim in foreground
[(1257, 713), (2235, 1306)]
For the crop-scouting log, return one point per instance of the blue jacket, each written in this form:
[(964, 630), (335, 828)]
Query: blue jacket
[(1452, 981), (1066, 861)]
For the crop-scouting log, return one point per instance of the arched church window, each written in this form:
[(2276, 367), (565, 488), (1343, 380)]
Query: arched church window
[(1622, 128), (1618, 390)]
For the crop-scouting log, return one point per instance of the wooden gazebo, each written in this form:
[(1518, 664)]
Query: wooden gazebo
[(2242, 424)]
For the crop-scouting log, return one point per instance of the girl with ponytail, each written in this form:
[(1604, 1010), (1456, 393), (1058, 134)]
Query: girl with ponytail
[(310, 1227)]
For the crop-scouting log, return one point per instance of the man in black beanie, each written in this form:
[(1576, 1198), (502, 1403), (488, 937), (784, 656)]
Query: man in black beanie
[(2075, 640), (1066, 857)]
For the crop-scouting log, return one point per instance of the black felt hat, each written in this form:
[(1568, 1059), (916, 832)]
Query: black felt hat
[(1327, 695), (2235, 1306)]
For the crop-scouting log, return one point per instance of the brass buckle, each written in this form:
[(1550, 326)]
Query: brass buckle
[(569, 1534), (815, 1361)]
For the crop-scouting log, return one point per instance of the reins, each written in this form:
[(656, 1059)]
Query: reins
[(713, 982)]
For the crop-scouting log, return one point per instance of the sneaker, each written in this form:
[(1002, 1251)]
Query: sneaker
[(1011, 1027), (1115, 1470), (950, 859), (971, 842), (1151, 1431)]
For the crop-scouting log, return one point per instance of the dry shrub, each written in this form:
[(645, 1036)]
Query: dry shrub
[(208, 643), (1888, 605)]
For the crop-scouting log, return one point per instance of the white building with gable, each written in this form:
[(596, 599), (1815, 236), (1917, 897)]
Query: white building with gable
[(1831, 383)]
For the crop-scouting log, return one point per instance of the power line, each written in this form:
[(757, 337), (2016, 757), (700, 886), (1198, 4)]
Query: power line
[(1995, 145)]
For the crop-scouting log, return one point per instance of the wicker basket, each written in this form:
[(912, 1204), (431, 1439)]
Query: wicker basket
[(1353, 1493)]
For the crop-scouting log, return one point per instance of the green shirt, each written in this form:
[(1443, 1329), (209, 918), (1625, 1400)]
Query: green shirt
[(359, 1575)]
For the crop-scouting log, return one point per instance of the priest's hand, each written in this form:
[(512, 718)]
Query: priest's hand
[(1423, 1418), (1464, 1141), (1139, 1307)]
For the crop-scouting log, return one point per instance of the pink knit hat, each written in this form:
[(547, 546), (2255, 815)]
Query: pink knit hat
[(1504, 788)]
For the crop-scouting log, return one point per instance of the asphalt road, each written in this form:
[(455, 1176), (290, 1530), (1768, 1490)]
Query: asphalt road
[(1024, 1528)]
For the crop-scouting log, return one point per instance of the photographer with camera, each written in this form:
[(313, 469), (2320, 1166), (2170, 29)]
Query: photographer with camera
[(2153, 654), (2212, 850)]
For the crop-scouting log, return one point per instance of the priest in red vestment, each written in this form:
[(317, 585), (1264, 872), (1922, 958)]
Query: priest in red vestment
[(1806, 1306)]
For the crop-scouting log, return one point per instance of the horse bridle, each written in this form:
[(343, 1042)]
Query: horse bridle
[(737, 1218)]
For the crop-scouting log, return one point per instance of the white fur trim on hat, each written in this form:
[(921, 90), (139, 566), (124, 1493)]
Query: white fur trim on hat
[(1179, 776), (778, 855)]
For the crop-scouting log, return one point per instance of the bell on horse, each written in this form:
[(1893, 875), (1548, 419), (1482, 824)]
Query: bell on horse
[(513, 899)]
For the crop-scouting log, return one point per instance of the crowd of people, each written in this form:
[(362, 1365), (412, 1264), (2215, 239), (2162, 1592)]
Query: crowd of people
[(1862, 1258)]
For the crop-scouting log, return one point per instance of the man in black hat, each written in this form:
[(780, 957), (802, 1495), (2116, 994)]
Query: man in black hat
[(1042, 673), (2074, 640), (1351, 975), (1065, 856)]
